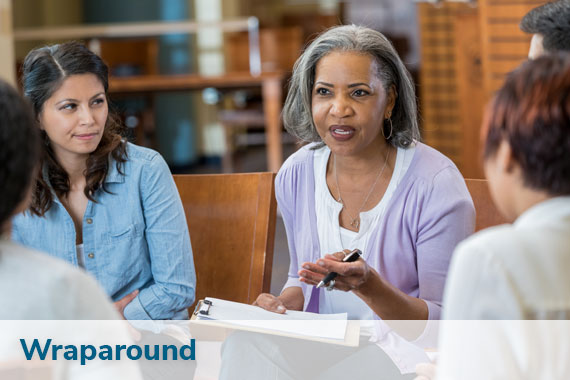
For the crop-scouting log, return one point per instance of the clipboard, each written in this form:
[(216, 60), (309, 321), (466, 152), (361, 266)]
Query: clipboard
[(218, 330)]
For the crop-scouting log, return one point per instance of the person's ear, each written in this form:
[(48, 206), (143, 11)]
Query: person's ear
[(536, 46), (39, 121), (505, 158), (39, 117), (391, 96)]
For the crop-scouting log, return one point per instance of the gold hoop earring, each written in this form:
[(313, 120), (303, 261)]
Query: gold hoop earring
[(391, 129)]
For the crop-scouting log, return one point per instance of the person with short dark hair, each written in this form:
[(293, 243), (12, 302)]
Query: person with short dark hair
[(518, 271), (99, 202), (550, 26), (19, 156)]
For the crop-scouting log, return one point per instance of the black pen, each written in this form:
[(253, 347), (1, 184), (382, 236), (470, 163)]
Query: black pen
[(348, 258)]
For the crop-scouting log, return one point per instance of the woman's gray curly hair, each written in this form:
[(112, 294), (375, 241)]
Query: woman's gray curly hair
[(297, 115)]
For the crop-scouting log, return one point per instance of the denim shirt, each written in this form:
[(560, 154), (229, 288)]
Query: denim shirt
[(134, 237)]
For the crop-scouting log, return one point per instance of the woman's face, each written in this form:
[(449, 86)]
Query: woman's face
[(349, 103), (74, 116)]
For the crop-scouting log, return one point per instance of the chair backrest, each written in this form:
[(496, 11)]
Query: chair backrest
[(487, 213), (231, 218)]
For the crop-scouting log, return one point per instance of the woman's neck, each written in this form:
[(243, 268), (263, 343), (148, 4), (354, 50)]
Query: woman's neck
[(75, 166), (515, 196), (525, 198), (366, 162)]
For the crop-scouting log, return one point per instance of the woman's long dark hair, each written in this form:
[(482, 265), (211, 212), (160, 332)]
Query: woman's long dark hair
[(44, 71)]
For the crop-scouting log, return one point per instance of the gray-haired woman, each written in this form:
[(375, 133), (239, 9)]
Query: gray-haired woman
[(364, 182)]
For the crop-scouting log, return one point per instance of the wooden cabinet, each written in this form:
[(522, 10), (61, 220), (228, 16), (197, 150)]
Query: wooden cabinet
[(466, 52)]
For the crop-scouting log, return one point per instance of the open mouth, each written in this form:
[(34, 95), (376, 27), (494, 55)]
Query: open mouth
[(341, 132)]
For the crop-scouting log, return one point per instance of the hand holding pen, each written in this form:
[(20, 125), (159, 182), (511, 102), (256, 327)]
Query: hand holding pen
[(329, 279), (349, 275)]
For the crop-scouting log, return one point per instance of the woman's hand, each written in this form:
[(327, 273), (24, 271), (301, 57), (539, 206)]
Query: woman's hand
[(351, 276), (123, 302), (270, 303), (291, 298), (425, 371), (385, 300)]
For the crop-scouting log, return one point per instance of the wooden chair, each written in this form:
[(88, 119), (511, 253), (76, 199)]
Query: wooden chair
[(487, 213), (231, 218)]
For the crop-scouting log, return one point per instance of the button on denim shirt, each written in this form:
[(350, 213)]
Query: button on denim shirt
[(134, 237)]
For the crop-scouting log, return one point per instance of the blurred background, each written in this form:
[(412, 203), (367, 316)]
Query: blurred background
[(206, 91), (203, 81)]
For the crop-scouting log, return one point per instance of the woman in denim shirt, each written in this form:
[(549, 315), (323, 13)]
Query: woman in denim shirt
[(99, 202)]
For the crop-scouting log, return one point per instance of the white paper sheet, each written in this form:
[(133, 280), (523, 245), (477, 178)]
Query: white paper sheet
[(329, 326)]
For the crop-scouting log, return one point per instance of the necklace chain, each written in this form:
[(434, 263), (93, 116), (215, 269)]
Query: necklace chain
[(355, 222)]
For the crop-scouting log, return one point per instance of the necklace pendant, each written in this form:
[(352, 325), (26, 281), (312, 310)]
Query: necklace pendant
[(355, 223)]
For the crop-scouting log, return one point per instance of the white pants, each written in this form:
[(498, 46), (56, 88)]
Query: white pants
[(258, 356)]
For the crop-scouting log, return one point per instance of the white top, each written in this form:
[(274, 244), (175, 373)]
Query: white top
[(518, 271), (35, 286), (346, 237), (80, 255), (333, 238)]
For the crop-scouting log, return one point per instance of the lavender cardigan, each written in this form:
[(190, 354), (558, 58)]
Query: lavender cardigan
[(430, 212)]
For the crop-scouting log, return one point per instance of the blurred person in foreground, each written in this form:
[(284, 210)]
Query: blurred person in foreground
[(517, 271)]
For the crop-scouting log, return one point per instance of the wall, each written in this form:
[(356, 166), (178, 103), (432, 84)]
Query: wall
[(38, 13), (393, 17), (7, 71), (174, 113)]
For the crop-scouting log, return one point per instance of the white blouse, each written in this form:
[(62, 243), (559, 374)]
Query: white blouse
[(80, 255), (333, 238), (510, 272)]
